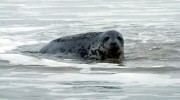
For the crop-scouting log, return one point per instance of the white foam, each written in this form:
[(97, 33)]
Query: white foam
[(17, 59), (11, 43), (8, 44)]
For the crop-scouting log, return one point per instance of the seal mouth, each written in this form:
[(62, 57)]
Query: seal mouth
[(114, 52)]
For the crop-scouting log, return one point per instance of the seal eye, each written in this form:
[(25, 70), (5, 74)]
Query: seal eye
[(106, 39), (119, 38)]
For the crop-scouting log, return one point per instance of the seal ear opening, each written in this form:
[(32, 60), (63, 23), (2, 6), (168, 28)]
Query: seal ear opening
[(106, 39)]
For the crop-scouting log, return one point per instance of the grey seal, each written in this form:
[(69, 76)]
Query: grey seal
[(92, 45)]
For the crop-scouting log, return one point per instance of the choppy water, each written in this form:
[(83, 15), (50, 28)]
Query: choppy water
[(151, 70)]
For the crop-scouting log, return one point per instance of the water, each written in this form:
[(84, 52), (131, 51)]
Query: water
[(150, 71)]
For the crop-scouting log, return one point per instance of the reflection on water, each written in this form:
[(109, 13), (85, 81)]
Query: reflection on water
[(152, 48)]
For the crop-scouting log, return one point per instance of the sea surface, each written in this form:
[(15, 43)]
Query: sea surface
[(150, 71)]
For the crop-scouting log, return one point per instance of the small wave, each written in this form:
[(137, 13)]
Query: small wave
[(138, 69), (19, 29)]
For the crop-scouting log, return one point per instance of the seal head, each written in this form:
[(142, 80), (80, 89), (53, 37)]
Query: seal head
[(111, 45)]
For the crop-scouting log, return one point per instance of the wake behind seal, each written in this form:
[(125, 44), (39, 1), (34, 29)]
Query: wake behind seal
[(91, 45)]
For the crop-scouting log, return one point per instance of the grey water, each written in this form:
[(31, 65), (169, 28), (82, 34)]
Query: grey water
[(150, 71)]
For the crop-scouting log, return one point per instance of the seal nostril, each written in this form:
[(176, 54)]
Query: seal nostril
[(113, 44)]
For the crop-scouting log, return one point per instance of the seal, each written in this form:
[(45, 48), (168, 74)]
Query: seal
[(92, 45)]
